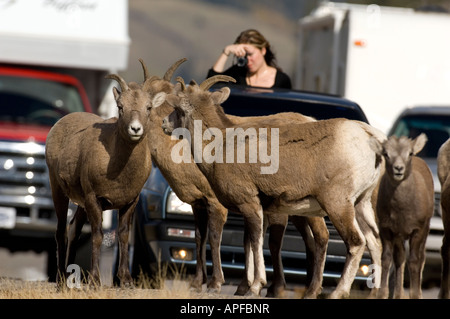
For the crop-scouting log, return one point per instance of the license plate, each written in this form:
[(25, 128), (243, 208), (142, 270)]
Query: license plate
[(7, 217)]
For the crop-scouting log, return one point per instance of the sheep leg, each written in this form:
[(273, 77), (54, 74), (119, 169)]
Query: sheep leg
[(94, 213), (201, 230), (301, 224), (399, 262), (125, 220), (318, 256), (416, 262), (75, 226), (386, 261), (255, 223), (61, 203), (345, 223), (247, 280), (365, 217), (216, 220), (444, 292), (277, 228)]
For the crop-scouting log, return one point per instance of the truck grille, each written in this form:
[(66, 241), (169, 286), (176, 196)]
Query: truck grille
[(24, 181)]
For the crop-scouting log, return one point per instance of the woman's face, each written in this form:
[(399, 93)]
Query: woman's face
[(255, 57)]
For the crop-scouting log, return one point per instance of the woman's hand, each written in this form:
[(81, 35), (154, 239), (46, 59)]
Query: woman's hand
[(236, 49)]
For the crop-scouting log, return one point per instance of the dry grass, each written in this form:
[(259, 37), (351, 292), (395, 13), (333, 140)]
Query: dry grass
[(168, 283)]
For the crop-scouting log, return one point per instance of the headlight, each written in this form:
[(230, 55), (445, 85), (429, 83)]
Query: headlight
[(176, 206)]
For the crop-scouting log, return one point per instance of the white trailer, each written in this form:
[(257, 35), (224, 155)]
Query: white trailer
[(86, 39), (383, 58)]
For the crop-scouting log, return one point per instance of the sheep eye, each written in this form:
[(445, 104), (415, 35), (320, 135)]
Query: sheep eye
[(386, 155)]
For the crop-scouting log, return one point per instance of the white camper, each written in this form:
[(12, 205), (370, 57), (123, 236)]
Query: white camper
[(383, 58), (86, 39)]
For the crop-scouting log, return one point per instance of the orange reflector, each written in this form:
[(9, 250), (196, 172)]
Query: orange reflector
[(359, 43)]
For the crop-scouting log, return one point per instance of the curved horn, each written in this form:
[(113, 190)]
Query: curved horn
[(205, 85), (144, 67), (171, 70), (122, 83), (180, 80)]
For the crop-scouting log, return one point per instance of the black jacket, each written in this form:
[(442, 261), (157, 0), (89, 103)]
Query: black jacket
[(282, 80)]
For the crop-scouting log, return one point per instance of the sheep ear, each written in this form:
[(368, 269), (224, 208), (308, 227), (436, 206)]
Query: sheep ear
[(173, 100), (159, 99), (221, 95), (376, 146), (116, 93), (419, 142)]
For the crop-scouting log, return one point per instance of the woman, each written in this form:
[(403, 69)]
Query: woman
[(260, 70)]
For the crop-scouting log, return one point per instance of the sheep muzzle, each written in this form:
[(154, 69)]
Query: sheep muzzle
[(135, 130)]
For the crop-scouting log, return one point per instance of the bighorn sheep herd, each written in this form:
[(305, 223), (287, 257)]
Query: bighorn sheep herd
[(322, 168)]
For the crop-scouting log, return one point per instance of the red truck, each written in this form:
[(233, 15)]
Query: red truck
[(31, 101)]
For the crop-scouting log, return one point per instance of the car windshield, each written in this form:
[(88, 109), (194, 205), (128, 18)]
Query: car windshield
[(242, 105), (436, 127), (36, 101)]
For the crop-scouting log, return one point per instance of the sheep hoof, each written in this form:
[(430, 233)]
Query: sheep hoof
[(252, 293), (275, 291), (214, 287), (213, 290), (195, 289), (242, 289), (195, 286), (312, 294), (339, 295)]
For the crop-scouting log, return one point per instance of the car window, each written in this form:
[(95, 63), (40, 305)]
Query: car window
[(436, 127), (36, 101), (251, 106)]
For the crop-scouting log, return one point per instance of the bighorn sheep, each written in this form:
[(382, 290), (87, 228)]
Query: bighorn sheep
[(101, 164), (324, 167), (405, 206), (443, 170), (191, 186)]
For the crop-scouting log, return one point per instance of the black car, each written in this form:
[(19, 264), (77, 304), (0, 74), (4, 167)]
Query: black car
[(164, 228)]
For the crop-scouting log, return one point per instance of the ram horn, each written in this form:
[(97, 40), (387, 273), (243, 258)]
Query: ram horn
[(180, 80), (171, 70), (205, 85), (144, 67), (122, 83)]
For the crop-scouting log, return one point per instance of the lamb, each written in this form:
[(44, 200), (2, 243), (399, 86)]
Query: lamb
[(100, 164), (192, 187), (405, 206), (325, 167), (443, 170)]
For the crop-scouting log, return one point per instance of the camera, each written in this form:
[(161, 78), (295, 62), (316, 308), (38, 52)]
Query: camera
[(242, 61)]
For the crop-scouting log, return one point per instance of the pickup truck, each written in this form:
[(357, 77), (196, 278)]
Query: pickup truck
[(163, 230), (31, 101)]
